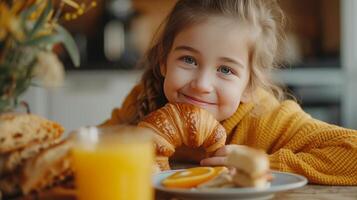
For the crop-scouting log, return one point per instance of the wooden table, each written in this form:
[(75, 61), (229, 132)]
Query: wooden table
[(308, 192), (313, 192), (318, 192)]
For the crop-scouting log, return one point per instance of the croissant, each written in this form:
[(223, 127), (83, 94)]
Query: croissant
[(181, 124)]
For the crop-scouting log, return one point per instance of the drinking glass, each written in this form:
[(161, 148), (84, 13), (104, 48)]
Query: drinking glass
[(113, 163)]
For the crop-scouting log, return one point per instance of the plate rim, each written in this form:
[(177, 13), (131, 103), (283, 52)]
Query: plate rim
[(232, 191)]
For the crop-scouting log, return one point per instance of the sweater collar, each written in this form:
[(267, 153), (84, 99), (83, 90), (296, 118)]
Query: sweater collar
[(263, 97), (231, 122)]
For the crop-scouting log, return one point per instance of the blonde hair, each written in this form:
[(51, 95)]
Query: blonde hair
[(265, 16)]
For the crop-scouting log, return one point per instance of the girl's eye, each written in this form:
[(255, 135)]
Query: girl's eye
[(189, 60), (225, 70)]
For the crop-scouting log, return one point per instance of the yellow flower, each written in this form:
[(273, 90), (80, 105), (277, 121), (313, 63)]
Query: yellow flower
[(9, 23), (79, 9), (49, 69), (71, 3), (40, 7), (5, 16)]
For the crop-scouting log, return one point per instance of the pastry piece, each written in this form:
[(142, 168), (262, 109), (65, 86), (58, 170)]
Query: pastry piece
[(251, 167), (182, 124), (18, 130), (56, 193), (47, 168), (10, 185), (162, 162), (12, 160)]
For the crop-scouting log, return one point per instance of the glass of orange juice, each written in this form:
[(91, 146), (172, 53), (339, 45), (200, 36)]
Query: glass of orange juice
[(113, 163)]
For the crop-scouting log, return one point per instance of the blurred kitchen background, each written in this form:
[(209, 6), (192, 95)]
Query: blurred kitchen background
[(320, 57)]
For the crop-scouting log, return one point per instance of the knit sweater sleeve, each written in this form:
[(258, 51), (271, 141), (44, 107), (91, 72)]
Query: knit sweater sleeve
[(295, 142), (127, 111)]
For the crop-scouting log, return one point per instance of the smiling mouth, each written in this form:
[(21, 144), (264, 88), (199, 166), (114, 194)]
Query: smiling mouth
[(197, 101)]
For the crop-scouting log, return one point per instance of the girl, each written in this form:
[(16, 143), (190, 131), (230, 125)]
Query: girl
[(218, 55)]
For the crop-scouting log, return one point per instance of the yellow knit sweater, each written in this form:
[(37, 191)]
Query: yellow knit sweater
[(295, 142)]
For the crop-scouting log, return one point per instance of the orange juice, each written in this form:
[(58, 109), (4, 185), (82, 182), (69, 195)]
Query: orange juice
[(115, 171)]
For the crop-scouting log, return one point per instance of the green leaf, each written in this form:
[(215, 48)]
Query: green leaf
[(62, 36), (4, 69), (24, 17), (21, 86), (23, 80), (69, 44), (47, 39), (42, 19)]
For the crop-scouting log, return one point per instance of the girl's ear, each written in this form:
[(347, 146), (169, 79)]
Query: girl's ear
[(163, 69)]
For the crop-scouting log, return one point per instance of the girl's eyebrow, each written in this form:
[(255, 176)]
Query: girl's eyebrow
[(233, 61), (186, 48), (224, 59)]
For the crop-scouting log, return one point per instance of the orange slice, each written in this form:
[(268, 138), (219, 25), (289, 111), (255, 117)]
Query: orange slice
[(189, 178), (219, 170)]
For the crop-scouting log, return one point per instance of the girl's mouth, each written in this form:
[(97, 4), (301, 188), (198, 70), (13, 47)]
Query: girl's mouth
[(197, 101)]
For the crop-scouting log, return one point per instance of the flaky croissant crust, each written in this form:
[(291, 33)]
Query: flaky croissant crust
[(178, 124)]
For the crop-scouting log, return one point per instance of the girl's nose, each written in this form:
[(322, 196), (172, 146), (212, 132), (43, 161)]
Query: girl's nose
[(202, 82)]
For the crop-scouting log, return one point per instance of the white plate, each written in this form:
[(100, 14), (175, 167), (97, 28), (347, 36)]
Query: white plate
[(281, 181)]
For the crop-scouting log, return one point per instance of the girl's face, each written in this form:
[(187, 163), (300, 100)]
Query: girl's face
[(208, 66)]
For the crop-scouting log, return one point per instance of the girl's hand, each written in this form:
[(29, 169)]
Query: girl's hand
[(220, 156)]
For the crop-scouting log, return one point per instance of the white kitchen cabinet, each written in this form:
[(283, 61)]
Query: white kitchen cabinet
[(86, 98)]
